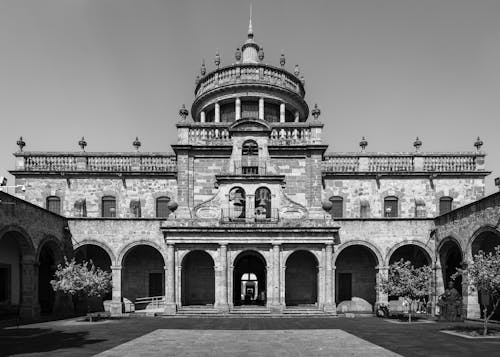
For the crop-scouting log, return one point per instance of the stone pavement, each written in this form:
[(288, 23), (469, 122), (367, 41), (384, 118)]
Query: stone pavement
[(221, 343), (75, 339)]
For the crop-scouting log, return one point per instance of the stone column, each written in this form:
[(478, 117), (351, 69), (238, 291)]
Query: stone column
[(170, 305), (116, 293), (221, 293), (237, 109), (470, 298), (217, 112), (439, 285), (282, 112), (383, 274), (202, 116), (261, 108), (30, 308), (329, 279), (276, 304)]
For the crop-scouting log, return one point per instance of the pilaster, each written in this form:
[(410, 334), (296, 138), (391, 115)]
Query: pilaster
[(170, 305), (116, 292)]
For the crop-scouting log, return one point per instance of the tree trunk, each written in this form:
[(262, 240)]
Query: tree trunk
[(488, 317)]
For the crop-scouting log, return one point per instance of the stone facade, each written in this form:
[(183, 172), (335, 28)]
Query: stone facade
[(253, 221), (27, 234)]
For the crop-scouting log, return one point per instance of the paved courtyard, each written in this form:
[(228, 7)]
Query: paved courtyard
[(239, 336)]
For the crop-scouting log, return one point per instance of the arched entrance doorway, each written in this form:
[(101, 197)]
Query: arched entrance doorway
[(413, 253), (301, 279), (48, 259), (418, 257), (249, 279), (450, 257), (143, 273), (198, 279), (10, 273), (355, 275), (102, 260), (486, 241)]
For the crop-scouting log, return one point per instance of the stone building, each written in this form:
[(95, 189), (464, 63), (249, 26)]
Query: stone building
[(250, 213)]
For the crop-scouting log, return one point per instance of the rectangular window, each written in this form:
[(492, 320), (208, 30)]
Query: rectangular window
[(54, 204), (249, 110), (445, 205), (250, 170), (337, 207), (108, 207), (391, 207)]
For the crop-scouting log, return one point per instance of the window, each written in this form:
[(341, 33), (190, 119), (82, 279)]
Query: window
[(420, 209), (237, 203), (250, 148), (391, 206), (162, 206), (249, 109), (445, 205), (135, 208), (271, 112), (364, 208), (54, 204), (81, 208), (337, 206), (227, 112), (108, 206), (262, 203)]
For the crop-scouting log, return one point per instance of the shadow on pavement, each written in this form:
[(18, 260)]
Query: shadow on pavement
[(37, 340)]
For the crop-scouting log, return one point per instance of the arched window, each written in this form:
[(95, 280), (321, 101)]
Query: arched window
[(108, 206), (262, 203), (237, 203), (337, 206), (53, 204), (445, 205), (162, 210), (390, 206)]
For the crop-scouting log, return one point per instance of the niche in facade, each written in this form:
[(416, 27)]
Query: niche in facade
[(237, 203)]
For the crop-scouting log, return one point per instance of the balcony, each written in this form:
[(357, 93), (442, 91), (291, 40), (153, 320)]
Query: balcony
[(79, 162), (232, 215), (249, 74), (401, 163)]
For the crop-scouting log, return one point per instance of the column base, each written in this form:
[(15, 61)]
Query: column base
[(29, 312), (276, 308), (170, 309), (116, 308), (222, 308), (330, 308)]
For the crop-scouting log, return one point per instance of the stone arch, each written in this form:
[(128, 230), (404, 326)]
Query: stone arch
[(197, 278), (143, 271), (450, 256), (487, 228), (375, 251), (288, 253), (102, 245), (356, 264), (301, 278), (429, 253), (25, 243), (126, 249), (454, 239), (245, 292), (54, 243)]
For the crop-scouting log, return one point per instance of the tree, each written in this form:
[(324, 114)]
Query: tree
[(408, 282), (483, 275), (83, 279)]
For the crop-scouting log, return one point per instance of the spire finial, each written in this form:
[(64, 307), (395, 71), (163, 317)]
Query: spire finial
[(250, 28)]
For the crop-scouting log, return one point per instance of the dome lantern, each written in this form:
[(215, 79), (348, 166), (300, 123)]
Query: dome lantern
[(282, 59)]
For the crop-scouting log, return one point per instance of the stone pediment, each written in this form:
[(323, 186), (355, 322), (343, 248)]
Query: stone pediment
[(250, 125)]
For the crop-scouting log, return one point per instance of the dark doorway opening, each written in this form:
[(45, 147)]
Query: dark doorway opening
[(301, 279), (249, 279), (46, 270), (198, 279), (345, 287)]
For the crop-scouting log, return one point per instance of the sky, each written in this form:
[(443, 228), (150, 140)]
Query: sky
[(111, 70)]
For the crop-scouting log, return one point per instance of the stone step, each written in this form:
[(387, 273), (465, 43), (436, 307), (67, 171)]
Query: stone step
[(197, 310), (250, 310), (304, 312)]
